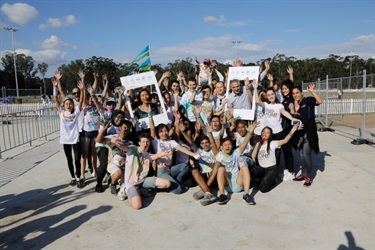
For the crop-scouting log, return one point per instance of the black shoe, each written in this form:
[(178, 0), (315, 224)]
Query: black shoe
[(113, 188), (81, 183), (223, 199), (99, 189), (73, 182), (248, 199)]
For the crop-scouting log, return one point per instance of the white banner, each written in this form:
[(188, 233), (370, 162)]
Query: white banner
[(139, 81), (240, 73)]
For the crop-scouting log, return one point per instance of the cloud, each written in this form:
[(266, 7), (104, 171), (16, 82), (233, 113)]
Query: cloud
[(50, 56), (221, 20), (19, 13), (59, 22), (212, 19), (53, 43)]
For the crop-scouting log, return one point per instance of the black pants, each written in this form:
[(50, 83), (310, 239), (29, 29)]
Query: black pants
[(266, 177), (77, 158), (103, 162), (287, 151)]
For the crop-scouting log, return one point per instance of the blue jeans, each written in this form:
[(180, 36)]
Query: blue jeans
[(175, 175)]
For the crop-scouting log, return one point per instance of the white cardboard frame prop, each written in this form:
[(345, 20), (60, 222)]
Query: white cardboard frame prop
[(139, 81), (240, 73)]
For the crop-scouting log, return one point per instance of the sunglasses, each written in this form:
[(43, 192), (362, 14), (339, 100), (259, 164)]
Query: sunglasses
[(75, 93)]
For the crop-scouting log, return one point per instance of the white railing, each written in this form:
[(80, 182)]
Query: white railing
[(25, 123), (346, 106)]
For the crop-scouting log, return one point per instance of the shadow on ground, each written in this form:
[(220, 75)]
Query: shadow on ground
[(29, 228)]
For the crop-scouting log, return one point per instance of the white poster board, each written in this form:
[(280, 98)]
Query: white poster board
[(240, 73), (139, 81)]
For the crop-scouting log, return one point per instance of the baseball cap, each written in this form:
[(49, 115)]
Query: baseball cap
[(207, 61), (111, 99)]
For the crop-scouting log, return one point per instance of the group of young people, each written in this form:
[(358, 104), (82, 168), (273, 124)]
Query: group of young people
[(202, 143)]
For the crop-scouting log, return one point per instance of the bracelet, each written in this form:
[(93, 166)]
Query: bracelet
[(291, 134)]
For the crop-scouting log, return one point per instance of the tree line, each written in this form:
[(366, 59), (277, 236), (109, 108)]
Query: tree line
[(31, 76)]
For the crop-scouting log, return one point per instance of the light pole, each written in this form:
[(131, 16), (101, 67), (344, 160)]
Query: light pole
[(351, 54), (14, 57), (236, 43)]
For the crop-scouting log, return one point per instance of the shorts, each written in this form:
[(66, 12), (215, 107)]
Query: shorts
[(135, 190), (90, 134), (233, 187), (116, 164)]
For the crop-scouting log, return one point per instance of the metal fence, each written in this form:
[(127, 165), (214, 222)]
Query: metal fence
[(25, 123)]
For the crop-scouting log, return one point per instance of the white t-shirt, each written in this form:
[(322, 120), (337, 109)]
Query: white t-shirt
[(190, 109), (267, 159), (215, 135), (239, 142), (69, 130), (261, 118), (273, 119), (207, 160), (91, 120), (230, 162), (162, 146)]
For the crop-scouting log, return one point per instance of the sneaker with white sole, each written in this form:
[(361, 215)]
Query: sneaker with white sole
[(121, 193), (198, 195), (223, 199), (288, 176), (208, 199)]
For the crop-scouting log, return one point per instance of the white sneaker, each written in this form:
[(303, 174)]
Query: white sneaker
[(287, 176), (121, 193)]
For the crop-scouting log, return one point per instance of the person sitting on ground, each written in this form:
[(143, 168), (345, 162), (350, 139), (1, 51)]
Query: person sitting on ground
[(117, 158), (165, 168), (265, 171), (233, 174), (137, 165), (204, 171)]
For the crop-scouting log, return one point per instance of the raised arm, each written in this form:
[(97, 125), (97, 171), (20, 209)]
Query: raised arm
[(288, 136), (214, 147), (181, 128), (95, 83), (58, 76), (290, 72), (310, 88), (247, 85), (255, 86), (55, 93), (250, 129), (81, 86), (152, 128)]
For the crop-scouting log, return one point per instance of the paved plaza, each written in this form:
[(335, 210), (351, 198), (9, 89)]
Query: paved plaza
[(39, 209)]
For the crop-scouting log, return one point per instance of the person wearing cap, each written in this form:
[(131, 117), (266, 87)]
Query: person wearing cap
[(69, 128), (205, 73)]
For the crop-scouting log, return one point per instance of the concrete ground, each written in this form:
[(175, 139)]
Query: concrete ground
[(39, 210)]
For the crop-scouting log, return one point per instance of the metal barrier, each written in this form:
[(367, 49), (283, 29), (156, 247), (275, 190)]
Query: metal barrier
[(26, 125)]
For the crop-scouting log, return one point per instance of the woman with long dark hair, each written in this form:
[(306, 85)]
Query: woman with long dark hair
[(308, 137)]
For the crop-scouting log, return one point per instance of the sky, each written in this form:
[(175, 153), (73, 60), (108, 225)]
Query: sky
[(59, 31)]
